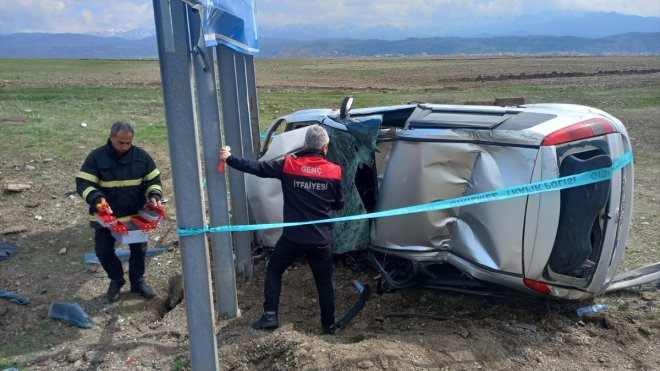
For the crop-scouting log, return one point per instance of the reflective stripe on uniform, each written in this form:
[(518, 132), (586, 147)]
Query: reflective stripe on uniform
[(123, 219), (87, 176), (120, 183), (151, 175), (154, 187), (87, 191)]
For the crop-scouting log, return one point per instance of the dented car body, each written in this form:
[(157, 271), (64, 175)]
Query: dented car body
[(564, 244)]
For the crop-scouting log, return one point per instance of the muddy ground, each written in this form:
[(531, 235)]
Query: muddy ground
[(48, 225)]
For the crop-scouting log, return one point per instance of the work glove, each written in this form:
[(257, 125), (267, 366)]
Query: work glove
[(101, 204)]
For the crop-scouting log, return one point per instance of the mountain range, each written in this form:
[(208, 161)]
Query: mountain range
[(39, 45), (564, 23), (581, 33)]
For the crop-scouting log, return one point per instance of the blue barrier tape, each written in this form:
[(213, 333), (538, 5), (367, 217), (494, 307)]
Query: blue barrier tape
[(556, 184)]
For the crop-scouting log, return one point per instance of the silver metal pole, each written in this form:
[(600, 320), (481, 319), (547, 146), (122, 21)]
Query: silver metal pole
[(209, 119), (244, 106), (231, 121), (174, 56), (253, 103)]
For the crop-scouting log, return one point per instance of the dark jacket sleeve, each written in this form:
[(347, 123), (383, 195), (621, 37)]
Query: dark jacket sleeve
[(262, 169), (151, 181), (87, 181)]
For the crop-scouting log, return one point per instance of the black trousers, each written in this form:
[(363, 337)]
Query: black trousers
[(320, 261), (105, 251)]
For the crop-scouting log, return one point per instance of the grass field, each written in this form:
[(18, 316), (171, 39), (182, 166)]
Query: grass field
[(52, 97)]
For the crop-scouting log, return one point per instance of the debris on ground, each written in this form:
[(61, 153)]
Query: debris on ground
[(14, 297), (7, 250), (70, 313)]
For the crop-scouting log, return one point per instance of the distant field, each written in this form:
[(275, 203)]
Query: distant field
[(285, 84)]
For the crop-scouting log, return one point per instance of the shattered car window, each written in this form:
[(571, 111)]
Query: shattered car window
[(353, 150)]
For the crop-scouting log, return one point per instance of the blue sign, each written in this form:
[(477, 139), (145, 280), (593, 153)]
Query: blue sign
[(231, 23)]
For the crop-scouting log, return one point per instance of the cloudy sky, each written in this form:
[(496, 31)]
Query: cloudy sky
[(78, 16)]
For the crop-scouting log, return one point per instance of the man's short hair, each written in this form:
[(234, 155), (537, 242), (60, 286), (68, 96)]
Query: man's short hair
[(121, 126), (316, 137)]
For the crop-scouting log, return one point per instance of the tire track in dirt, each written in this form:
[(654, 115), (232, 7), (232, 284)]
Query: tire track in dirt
[(553, 74)]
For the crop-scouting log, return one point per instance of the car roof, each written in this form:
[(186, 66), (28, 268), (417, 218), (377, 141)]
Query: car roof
[(523, 125)]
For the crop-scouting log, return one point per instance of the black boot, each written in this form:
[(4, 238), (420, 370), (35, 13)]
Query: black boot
[(329, 330), (268, 321), (143, 290), (114, 289)]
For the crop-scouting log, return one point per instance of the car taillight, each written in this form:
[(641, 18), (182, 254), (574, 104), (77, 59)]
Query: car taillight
[(537, 286), (581, 130)]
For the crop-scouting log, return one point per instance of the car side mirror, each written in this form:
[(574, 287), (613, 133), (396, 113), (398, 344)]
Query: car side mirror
[(345, 107)]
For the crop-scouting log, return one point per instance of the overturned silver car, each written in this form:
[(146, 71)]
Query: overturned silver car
[(565, 244)]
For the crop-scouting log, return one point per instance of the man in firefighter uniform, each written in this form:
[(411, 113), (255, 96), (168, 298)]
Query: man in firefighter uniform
[(312, 189), (126, 177)]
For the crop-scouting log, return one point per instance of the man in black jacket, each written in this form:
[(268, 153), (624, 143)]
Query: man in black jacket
[(312, 189), (124, 176)]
